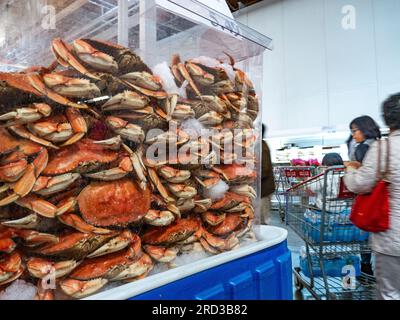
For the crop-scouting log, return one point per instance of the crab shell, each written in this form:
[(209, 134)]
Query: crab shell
[(175, 232), (115, 203), (230, 224), (82, 155)]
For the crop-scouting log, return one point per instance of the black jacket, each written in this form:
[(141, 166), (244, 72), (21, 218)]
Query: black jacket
[(267, 174)]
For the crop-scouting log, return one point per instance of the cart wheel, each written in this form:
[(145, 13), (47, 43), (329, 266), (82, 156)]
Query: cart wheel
[(298, 284)]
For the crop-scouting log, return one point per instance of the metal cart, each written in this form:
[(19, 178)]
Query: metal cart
[(285, 178), (318, 211)]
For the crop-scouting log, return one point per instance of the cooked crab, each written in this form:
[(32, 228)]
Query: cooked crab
[(115, 203)]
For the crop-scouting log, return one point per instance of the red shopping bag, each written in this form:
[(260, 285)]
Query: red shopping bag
[(370, 212)]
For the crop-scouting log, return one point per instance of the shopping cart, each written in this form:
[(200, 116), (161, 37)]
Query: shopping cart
[(285, 178), (318, 211)]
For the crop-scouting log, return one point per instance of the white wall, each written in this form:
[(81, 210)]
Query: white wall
[(319, 74)]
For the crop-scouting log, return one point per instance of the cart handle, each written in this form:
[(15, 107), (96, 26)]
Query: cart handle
[(336, 168)]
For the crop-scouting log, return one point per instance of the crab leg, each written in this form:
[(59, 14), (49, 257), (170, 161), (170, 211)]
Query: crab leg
[(78, 124), (138, 165), (159, 186), (186, 75), (79, 224)]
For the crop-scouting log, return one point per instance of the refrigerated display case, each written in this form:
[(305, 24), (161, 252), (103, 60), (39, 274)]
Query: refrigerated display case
[(138, 127)]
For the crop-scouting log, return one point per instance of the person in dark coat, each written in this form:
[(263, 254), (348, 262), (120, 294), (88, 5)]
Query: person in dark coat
[(267, 180)]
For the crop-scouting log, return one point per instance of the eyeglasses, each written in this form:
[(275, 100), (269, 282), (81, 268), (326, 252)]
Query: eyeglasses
[(353, 131)]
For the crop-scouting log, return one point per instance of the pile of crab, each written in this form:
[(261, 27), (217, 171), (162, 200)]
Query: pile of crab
[(90, 191)]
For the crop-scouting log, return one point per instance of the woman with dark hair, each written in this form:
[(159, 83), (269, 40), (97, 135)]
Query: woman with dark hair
[(364, 131), (362, 180)]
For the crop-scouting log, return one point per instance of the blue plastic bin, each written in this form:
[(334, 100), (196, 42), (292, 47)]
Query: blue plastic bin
[(260, 270)]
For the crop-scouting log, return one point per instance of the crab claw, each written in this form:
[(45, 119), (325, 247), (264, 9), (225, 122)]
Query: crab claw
[(71, 87), (128, 100), (174, 175), (80, 289), (93, 57), (125, 129), (11, 172), (40, 206), (159, 218), (144, 80), (7, 245), (28, 114), (40, 268), (49, 185), (29, 222), (65, 57), (22, 132), (10, 268), (116, 244), (43, 294), (182, 190), (161, 254), (136, 269), (38, 84)]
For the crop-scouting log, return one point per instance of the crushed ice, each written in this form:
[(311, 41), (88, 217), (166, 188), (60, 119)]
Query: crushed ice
[(19, 290)]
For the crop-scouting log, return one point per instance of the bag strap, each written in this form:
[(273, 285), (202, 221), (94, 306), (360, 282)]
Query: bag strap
[(386, 173), (379, 173)]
